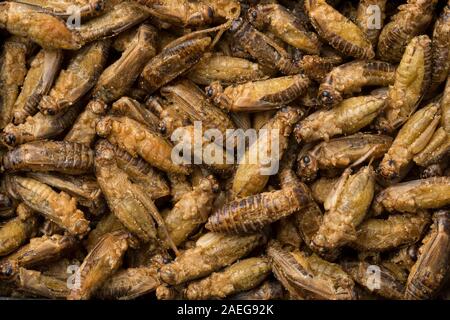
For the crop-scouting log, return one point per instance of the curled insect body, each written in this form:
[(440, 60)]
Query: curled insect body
[(142, 174), (38, 83), (182, 13), (84, 188), (412, 138), (375, 278), (132, 109), (253, 213), (57, 207), (60, 156), (129, 284), (252, 176), (258, 95), (386, 234), (176, 58), (100, 263), (412, 79), (192, 101), (429, 273), (212, 252), (77, 79), (351, 77), (190, 211), (137, 139), (36, 284), (38, 127), (262, 48), (115, 80), (348, 117), (122, 16), (309, 276), (83, 129), (226, 69), (370, 17), (46, 30), (285, 25), (341, 152), (346, 205), (441, 49), (240, 276), (13, 70), (128, 201), (269, 290), (340, 32), (16, 232), (40, 251), (413, 196), (65, 8), (437, 149), (411, 20)]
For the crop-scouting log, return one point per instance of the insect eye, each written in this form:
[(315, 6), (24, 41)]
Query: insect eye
[(306, 160), (254, 14), (10, 139), (98, 6), (209, 92)]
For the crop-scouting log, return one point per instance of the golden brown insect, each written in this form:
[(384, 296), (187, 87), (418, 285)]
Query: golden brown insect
[(429, 273), (57, 207), (375, 278), (253, 213), (269, 290), (171, 115), (35, 283), (285, 25), (309, 277), (128, 201), (137, 139), (182, 13), (386, 234), (410, 140), (192, 101), (129, 284), (370, 17), (142, 174), (226, 69), (346, 205), (46, 30), (40, 251), (262, 48), (60, 156), (437, 149), (212, 252), (258, 95), (15, 232), (340, 32), (351, 77), (122, 16), (84, 188), (258, 162), (441, 49), (413, 196), (66, 8), (83, 129), (39, 127), (101, 262), (77, 79), (115, 80), (411, 20), (38, 83), (190, 211), (348, 117), (240, 276), (13, 70), (341, 152), (108, 223), (412, 79), (133, 109)]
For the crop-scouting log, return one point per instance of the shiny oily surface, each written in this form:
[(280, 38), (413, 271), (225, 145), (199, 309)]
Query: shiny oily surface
[(224, 149)]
